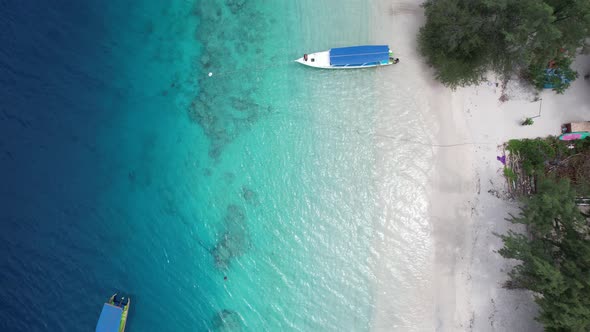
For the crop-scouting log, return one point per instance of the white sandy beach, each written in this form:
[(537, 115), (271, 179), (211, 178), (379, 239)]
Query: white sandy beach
[(467, 202)]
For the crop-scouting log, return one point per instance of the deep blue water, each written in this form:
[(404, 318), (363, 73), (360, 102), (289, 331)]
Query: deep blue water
[(84, 110)]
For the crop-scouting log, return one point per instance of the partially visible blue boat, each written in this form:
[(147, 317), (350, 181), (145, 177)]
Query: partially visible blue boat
[(553, 76), (113, 317), (350, 57)]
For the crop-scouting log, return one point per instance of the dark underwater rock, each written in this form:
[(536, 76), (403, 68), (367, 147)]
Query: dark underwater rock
[(249, 195), (235, 5), (234, 241), (227, 320), (235, 216)]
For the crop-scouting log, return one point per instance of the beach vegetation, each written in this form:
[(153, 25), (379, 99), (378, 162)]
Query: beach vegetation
[(553, 257), (533, 159), (465, 39), (528, 122), (552, 178), (534, 153), (509, 174)]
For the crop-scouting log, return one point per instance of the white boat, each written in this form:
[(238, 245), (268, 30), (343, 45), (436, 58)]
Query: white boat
[(350, 57)]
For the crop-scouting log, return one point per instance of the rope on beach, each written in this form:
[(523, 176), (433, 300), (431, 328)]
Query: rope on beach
[(255, 69), (359, 132), (252, 69), (432, 144)]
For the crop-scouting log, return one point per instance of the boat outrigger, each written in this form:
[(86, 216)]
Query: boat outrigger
[(114, 315), (350, 57)]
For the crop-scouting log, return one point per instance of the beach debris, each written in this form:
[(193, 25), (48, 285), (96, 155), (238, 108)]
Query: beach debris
[(502, 159), (227, 320), (527, 122), (494, 192)]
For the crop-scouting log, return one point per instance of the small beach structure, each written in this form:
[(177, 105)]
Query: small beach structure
[(576, 127), (114, 315), (350, 57), (575, 130)]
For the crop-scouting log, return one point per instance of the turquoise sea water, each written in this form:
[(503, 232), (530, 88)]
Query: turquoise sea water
[(244, 200)]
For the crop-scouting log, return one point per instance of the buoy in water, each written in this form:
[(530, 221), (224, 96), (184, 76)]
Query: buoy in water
[(210, 74)]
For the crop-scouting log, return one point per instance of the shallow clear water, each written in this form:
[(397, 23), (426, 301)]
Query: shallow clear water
[(267, 196)]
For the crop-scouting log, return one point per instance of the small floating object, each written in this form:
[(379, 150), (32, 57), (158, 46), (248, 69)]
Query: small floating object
[(350, 57), (574, 136), (114, 315), (210, 74)]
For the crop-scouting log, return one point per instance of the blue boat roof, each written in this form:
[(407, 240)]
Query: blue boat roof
[(110, 319), (358, 55)]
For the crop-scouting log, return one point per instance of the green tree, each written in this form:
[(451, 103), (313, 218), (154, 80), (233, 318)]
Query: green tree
[(454, 41), (554, 256), (463, 39)]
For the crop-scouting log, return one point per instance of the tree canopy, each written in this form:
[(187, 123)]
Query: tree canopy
[(555, 257), (463, 39)]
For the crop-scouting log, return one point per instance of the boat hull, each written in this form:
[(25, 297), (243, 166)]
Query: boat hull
[(113, 317), (322, 60)]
